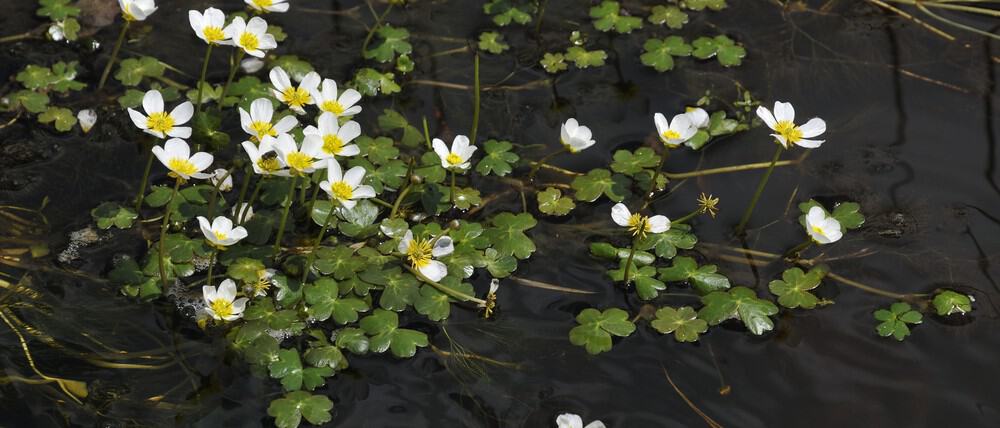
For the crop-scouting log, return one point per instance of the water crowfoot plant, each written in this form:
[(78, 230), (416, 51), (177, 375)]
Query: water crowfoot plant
[(132, 10)]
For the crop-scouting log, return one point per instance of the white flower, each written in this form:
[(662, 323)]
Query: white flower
[(159, 123), (136, 10), (822, 228), (242, 212), (675, 132), (782, 122), (421, 253), (221, 233), (227, 183), (251, 65), (210, 26), (57, 32), (637, 223), (575, 137), (258, 124), (458, 157), (300, 161), (222, 304), (87, 119), (268, 5), (251, 36), (176, 156), (698, 116), (569, 420), (335, 137), (296, 97), (346, 188), (265, 158), (265, 279), (326, 99)]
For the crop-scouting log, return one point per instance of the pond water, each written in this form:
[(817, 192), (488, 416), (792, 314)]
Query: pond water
[(912, 137)]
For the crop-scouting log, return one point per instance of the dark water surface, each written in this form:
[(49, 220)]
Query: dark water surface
[(911, 137)]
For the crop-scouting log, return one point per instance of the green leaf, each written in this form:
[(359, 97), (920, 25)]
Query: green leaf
[(666, 244), (323, 301), (793, 289), (351, 339), (726, 51), (465, 197), (339, 261), (948, 302), (596, 328), (57, 10), (391, 120), (370, 82), (629, 163), (263, 309), (132, 70), (553, 62), (644, 278), (435, 304), (131, 99), (383, 328), (498, 159), (33, 102), (715, 5), (507, 234), (738, 303), (245, 269), (552, 202), (599, 181), (492, 42), (62, 118), (35, 77), (583, 58), (671, 15), (293, 65), (895, 320), (499, 266), (607, 16), (394, 40), (505, 11), (608, 251), (683, 322), (326, 356), (378, 150), (660, 54), (288, 368), (704, 279), (112, 214), (289, 411)]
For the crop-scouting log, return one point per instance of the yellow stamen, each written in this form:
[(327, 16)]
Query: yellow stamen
[(332, 144), (213, 34), (262, 128), (788, 130), (223, 308), (453, 159), (249, 41), (299, 161), (219, 235), (670, 134), (333, 107), (419, 253), (341, 190), (160, 122), (182, 166), (262, 284), (295, 97), (263, 3), (269, 165), (819, 231), (638, 225)]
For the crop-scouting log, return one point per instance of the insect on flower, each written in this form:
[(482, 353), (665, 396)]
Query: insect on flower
[(265, 159), (176, 156), (296, 97), (456, 159), (676, 131), (421, 254), (335, 137), (221, 303), (257, 122), (575, 137), (346, 188), (782, 122), (638, 224), (158, 122)]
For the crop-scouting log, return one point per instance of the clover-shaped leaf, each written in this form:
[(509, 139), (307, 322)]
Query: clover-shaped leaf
[(492, 42), (435, 304), (339, 261), (660, 54), (683, 322), (553, 62), (895, 320), (726, 51), (323, 301), (326, 356), (948, 302), (583, 58), (57, 10), (498, 159), (351, 339), (704, 279), (263, 309), (499, 265), (371, 82), (666, 244), (596, 328), (793, 287), (672, 16), (599, 181), (847, 213), (383, 328), (702, 4), (245, 269), (505, 11), (738, 303), (644, 278), (33, 102), (465, 197), (507, 234), (289, 410), (394, 41), (629, 163), (552, 202), (288, 368), (62, 118), (112, 214), (607, 16), (132, 70)]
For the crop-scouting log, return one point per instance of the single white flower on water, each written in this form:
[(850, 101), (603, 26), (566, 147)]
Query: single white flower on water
[(335, 137), (242, 212), (458, 157), (251, 36), (268, 5), (346, 188), (87, 118), (251, 65), (57, 32), (327, 100), (300, 161), (257, 122), (575, 137), (698, 116), (265, 158), (638, 224), (822, 228), (137, 10), (221, 233), (210, 26), (222, 175), (176, 156), (296, 97), (782, 122), (421, 254), (158, 122), (675, 132), (569, 420), (222, 304)]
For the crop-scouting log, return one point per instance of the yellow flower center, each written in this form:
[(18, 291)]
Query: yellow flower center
[(263, 128), (299, 161), (332, 144), (818, 230), (638, 225), (127, 12), (333, 107), (263, 3), (788, 130), (182, 166), (160, 122), (419, 253), (341, 190), (249, 41), (219, 235), (269, 164), (453, 159), (262, 284), (295, 97), (222, 307), (670, 134), (213, 34)]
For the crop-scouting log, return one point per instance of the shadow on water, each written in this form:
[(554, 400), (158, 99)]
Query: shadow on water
[(912, 137)]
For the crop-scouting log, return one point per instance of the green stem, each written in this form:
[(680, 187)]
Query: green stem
[(114, 55), (145, 180), (319, 240), (427, 135), (253, 198), (371, 32), (399, 199), (453, 188), (656, 176), (201, 80), (211, 266), (163, 235), (726, 169), (540, 162), (687, 217), (798, 249), (232, 73), (628, 261), (381, 202), (475, 105), (284, 215), (760, 189), (445, 289), (216, 192), (315, 195)]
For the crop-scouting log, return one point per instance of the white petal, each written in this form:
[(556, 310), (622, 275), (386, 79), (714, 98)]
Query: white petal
[(152, 102), (285, 124), (177, 148), (180, 132), (569, 420), (364, 191), (661, 123), (443, 247), (658, 224), (261, 110), (227, 290), (202, 161), (137, 118), (620, 214), (333, 171), (434, 270), (813, 128), (182, 113), (764, 114), (810, 144), (442, 150), (354, 176), (784, 112), (404, 243), (209, 294), (349, 132), (279, 79)]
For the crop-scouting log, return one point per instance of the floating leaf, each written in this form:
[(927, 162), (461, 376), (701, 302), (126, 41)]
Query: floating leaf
[(683, 322), (507, 234), (599, 181), (132, 70), (57, 10), (552, 202), (289, 411), (738, 303), (288, 368), (948, 302), (62, 118), (492, 42), (323, 301), (383, 328), (715, 5), (607, 16), (33, 102), (667, 243), (644, 278), (435, 304), (596, 328), (351, 339), (726, 51), (793, 287), (370, 82), (245, 269), (671, 15), (704, 279), (608, 251), (498, 159), (394, 41), (505, 11), (553, 62), (629, 163), (660, 54), (112, 214), (583, 58), (895, 320)]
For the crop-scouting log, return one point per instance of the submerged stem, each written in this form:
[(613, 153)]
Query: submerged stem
[(114, 55), (163, 234), (540, 162), (371, 32), (760, 189), (475, 103), (656, 176)]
